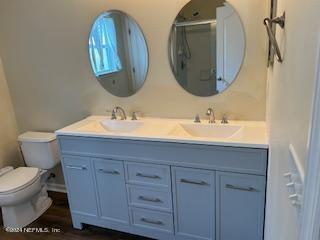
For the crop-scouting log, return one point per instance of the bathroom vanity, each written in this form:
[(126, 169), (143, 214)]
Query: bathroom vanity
[(167, 179)]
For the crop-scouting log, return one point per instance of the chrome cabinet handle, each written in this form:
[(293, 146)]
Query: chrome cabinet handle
[(157, 222), (148, 199), (77, 167), (148, 176), (193, 182), (248, 189), (109, 172)]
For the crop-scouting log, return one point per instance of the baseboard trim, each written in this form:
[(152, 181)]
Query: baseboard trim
[(55, 187)]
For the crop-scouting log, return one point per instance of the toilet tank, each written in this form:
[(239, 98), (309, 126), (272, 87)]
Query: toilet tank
[(39, 149)]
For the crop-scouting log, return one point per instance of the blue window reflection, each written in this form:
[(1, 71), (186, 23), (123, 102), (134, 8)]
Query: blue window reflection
[(103, 48)]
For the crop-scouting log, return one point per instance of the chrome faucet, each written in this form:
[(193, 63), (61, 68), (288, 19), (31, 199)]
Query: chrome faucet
[(119, 110), (210, 113)]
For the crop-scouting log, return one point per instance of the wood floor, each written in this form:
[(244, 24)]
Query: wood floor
[(58, 217)]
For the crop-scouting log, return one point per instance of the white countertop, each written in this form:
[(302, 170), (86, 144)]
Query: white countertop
[(252, 134)]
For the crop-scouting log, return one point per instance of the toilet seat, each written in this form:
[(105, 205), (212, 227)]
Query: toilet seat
[(18, 179)]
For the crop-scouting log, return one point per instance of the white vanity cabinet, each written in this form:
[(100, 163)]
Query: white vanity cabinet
[(166, 190)]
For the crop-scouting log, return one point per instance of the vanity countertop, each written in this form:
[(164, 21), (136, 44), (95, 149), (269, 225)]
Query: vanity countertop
[(250, 134)]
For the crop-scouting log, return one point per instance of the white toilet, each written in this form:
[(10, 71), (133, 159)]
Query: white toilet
[(23, 191)]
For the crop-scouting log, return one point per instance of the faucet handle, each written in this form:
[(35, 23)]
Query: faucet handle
[(224, 119), (134, 115), (209, 111), (113, 114), (197, 119)]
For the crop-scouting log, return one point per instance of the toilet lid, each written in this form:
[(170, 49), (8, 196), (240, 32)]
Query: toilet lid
[(37, 137), (18, 179)]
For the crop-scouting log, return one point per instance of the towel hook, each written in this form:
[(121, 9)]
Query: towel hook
[(268, 23)]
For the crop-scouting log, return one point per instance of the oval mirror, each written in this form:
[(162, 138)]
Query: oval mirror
[(206, 46), (118, 53)]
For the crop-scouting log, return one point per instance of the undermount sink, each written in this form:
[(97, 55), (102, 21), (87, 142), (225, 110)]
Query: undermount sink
[(210, 130), (120, 126)]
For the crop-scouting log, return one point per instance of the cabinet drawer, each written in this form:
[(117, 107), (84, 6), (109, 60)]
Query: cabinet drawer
[(108, 167), (148, 197), (152, 219), (148, 174)]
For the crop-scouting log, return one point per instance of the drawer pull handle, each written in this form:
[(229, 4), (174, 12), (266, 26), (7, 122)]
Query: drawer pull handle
[(109, 172), (248, 189), (77, 167), (156, 222), (148, 176), (148, 199), (193, 182)]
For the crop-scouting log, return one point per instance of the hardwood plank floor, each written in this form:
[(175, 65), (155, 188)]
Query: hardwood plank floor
[(58, 216)]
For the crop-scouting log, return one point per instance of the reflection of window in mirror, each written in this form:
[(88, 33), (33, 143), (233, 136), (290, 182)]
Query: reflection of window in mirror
[(118, 53), (103, 47)]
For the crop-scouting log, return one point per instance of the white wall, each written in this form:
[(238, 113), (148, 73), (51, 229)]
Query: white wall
[(44, 49), (9, 153), (291, 86)]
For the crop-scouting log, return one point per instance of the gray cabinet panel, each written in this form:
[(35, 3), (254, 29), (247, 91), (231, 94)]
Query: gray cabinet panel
[(80, 186), (194, 203), (245, 160), (111, 190), (240, 206)]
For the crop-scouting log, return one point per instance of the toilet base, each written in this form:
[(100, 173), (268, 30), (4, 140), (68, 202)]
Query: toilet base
[(23, 214)]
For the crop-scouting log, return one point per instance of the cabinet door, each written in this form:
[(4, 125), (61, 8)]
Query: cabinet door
[(240, 206), (111, 190), (194, 203), (80, 187)]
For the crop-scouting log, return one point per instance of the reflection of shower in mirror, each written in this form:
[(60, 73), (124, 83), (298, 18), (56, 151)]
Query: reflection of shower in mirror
[(206, 46)]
